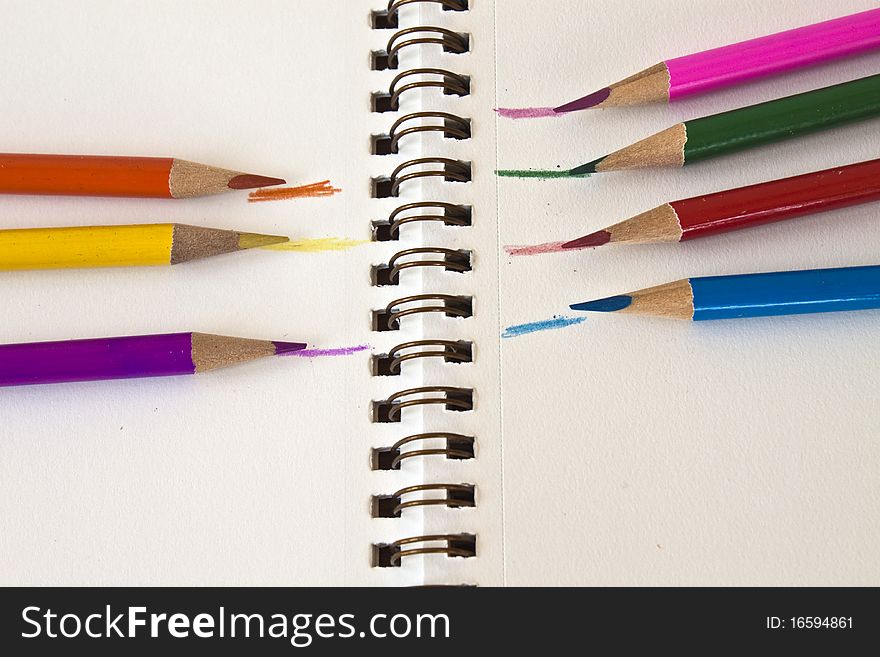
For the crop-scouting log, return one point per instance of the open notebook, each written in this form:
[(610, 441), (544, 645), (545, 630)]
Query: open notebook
[(617, 451)]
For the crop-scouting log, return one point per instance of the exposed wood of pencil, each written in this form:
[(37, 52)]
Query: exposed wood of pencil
[(664, 149), (211, 352), (659, 224), (195, 242), (648, 86), (191, 179), (146, 177), (673, 300)]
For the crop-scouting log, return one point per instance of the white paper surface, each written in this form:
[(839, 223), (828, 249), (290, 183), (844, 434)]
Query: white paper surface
[(643, 451), (255, 475)]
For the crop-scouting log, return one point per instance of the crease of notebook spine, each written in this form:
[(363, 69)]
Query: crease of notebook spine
[(424, 310)]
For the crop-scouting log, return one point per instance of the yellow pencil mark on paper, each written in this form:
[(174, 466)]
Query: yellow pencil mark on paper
[(317, 245)]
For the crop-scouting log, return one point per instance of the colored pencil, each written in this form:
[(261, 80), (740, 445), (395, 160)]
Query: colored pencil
[(144, 356), (740, 63), (147, 177), (744, 207), (729, 132), (751, 295), (120, 246)]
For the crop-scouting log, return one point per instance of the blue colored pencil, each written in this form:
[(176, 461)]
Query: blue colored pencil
[(751, 295)]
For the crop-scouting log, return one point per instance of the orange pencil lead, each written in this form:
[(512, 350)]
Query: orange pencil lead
[(252, 181)]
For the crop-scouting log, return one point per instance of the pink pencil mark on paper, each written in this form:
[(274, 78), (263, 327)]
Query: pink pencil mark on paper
[(535, 249), (526, 112)]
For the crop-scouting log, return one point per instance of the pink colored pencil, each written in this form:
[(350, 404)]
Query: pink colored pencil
[(739, 63)]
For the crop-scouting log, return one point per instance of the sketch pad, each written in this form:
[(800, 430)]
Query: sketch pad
[(608, 451)]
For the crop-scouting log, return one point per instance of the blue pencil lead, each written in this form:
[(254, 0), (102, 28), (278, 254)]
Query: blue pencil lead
[(606, 305)]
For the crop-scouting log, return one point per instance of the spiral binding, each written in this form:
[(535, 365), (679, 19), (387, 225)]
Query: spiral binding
[(451, 83), (391, 506), (453, 127), (458, 446), (453, 260), (388, 319), (458, 351), (389, 230), (388, 17), (453, 545), (453, 42), (452, 496)]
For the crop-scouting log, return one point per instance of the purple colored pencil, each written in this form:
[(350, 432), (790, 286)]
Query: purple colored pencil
[(171, 354)]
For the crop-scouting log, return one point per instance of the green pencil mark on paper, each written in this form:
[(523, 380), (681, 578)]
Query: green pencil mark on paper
[(540, 174)]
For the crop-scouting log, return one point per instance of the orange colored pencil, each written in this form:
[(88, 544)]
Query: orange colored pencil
[(146, 177)]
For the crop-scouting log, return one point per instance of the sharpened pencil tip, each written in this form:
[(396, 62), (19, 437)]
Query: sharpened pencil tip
[(588, 168), (606, 305), (257, 241), (598, 238), (252, 181), (282, 348), (588, 101)]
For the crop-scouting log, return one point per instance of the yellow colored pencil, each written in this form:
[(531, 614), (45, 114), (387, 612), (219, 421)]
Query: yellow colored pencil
[(120, 246)]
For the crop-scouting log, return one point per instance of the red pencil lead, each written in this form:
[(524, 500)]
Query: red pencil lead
[(598, 238)]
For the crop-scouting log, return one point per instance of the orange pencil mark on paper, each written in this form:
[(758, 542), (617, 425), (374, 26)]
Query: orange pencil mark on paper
[(314, 190)]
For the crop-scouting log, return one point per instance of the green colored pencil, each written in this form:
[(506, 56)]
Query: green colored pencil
[(729, 132)]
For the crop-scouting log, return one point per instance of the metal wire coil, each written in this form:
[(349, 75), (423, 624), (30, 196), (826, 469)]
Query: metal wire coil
[(450, 549), (450, 453), (449, 307), (450, 352), (453, 42), (397, 403), (452, 5), (453, 215), (453, 127), (447, 501)]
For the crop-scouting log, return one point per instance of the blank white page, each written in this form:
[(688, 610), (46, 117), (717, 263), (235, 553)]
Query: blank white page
[(640, 451)]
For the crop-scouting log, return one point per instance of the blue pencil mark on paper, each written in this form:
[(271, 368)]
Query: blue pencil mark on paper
[(557, 322)]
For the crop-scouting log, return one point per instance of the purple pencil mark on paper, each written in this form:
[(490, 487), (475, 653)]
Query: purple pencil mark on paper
[(339, 351)]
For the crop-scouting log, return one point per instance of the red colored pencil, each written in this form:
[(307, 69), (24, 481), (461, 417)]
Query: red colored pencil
[(91, 175), (744, 207)]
